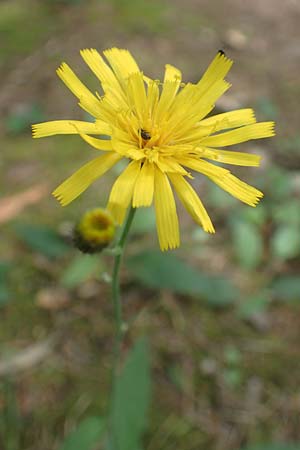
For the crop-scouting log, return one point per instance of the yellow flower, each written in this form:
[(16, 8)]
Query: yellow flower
[(160, 128)]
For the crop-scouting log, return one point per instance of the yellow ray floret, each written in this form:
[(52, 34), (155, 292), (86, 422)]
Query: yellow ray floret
[(137, 94), (216, 71), (99, 144), (69, 127), (232, 119), (172, 73), (235, 158), (237, 188), (122, 190), (165, 211), (87, 100), (243, 134), (144, 186), (72, 187), (204, 167), (167, 164), (122, 62), (190, 107), (191, 202), (152, 97), (102, 71)]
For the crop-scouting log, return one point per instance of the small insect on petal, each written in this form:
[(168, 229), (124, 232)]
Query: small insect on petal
[(145, 134)]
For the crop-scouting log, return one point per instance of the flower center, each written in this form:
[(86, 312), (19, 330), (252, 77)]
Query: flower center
[(151, 154)]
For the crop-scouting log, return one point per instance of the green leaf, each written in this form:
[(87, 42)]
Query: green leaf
[(257, 216), (176, 375), (164, 271), (285, 242), (253, 305), (4, 268), (86, 435), (80, 269), (4, 291), (42, 239), (287, 212), (4, 295), (11, 421), (287, 288), (274, 446), (248, 244), (232, 355), (232, 377), (278, 183), (131, 398), (20, 121)]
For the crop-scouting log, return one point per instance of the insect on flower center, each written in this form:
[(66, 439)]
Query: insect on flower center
[(145, 134)]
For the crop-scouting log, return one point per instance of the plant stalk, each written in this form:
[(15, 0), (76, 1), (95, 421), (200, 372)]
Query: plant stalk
[(117, 307), (116, 297)]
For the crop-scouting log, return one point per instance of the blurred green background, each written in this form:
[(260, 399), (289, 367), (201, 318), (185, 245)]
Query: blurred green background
[(221, 313)]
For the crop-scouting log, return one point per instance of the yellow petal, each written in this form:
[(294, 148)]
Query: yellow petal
[(255, 131), (102, 71), (235, 158), (236, 187), (111, 86), (194, 135), (137, 95), (216, 71), (184, 97), (69, 127), (198, 100), (99, 144), (124, 146), (168, 94), (165, 210), (232, 119), (152, 96), (84, 177), (172, 80), (147, 80), (122, 190), (170, 165), (87, 100), (172, 73), (144, 186), (191, 105), (204, 102), (122, 62), (202, 166), (191, 202)]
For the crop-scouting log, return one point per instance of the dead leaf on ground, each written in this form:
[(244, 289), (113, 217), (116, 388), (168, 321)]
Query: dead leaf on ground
[(53, 299), (28, 357), (12, 205)]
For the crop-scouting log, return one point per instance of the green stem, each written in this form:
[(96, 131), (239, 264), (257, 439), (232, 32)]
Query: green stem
[(116, 288), (117, 305)]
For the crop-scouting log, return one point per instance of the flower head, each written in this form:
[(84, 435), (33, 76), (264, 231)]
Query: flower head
[(161, 130), (94, 231)]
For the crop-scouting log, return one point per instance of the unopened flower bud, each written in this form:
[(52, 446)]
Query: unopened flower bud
[(94, 231)]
